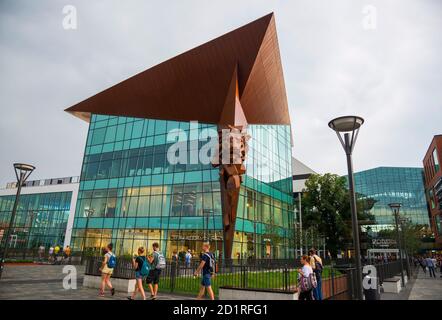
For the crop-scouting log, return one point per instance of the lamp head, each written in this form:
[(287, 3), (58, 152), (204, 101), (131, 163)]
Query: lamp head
[(395, 205), (22, 172), (346, 123)]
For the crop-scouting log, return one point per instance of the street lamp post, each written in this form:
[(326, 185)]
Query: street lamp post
[(395, 207), (22, 173), (349, 126), (402, 221), (300, 223), (88, 213), (28, 238)]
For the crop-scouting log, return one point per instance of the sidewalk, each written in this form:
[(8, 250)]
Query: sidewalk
[(45, 282), (426, 288)]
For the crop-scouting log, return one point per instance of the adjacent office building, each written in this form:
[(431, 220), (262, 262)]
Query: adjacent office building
[(387, 185), (45, 212), (130, 192), (433, 185)]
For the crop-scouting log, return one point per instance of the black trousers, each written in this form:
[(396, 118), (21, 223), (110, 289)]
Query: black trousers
[(305, 295)]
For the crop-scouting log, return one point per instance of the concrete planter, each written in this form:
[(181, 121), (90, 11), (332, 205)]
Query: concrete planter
[(226, 293), (392, 285), (123, 285)]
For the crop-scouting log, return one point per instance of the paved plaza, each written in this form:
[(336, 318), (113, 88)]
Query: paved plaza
[(426, 288), (421, 287), (45, 282)]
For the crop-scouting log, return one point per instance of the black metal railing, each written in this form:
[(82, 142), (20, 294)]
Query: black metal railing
[(338, 281)]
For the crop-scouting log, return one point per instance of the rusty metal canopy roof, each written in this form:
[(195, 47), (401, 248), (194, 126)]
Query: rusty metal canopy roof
[(195, 85)]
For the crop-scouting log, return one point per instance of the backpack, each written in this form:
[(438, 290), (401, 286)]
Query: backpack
[(318, 266), (112, 261), (212, 262), (145, 267), (161, 264)]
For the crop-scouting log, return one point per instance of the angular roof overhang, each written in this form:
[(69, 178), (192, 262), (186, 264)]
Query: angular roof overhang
[(196, 85)]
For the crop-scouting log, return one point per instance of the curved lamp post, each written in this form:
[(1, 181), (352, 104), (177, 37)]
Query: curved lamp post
[(395, 207), (403, 221), (22, 173), (349, 126)]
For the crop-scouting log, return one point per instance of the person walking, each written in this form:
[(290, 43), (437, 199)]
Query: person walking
[(41, 252), (142, 268), (188, 258), (305, 275), (439, 261), (107, 268), (430, 265), (423, 264), (317, 266), (207, 270), (174, 269), (67, 253), (158, 264), (56, 253), (51, 254)]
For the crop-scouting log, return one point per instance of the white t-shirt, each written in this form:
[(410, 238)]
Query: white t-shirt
[(307, 270)]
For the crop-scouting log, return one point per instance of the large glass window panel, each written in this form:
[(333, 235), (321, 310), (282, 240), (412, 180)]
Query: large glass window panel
[(155, 205), (98, 136)]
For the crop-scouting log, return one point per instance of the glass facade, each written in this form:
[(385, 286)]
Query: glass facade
[(435, 160), (138, 197), (393, 184), (40, 219)]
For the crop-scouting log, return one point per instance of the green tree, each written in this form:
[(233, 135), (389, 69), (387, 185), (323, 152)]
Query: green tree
[(326, 207), (272, 233)]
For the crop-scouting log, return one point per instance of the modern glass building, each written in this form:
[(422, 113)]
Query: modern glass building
[(43, 213), (139, 198), (388, 185), (131, 194)]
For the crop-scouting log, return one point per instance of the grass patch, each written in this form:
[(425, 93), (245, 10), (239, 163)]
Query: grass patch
[(187, 284)]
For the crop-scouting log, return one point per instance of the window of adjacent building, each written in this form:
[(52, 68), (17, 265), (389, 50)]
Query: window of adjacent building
[(435, 160), (431, 196)]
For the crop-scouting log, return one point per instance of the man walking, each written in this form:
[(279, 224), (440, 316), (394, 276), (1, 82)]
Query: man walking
[(158, 264), (430, 265), (188, 258), (207, 268), (41, 252), (316, 264)]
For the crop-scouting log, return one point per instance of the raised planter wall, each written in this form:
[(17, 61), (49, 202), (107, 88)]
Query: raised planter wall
[(122, 285), (226, 293)]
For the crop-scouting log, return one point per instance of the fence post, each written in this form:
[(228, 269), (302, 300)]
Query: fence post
[(286, 280), (243, 277), (332, 279), (173, 272), (350, 281)]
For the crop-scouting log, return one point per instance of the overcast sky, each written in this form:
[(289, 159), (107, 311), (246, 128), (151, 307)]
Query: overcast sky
[(333, 65)]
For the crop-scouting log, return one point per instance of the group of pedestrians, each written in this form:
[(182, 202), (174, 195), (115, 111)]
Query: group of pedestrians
[(430, 263), (148, 267), (56, 253), (310, 277)]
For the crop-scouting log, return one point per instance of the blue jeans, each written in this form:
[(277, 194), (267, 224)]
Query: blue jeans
[(317, 292)]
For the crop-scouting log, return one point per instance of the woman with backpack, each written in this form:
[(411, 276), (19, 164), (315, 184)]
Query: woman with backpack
[(142, 268), (306, 279), (107, 268)]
